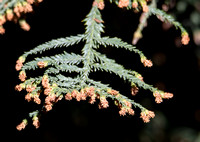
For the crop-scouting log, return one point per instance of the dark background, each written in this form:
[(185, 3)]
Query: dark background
[(175, 70)]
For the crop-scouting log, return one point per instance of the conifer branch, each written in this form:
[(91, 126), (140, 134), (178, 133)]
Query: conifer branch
[(93, 29), (55, 85)]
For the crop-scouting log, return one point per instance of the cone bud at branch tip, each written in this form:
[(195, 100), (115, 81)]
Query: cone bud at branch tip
[(147, 63), (24, 25), (167, 95), (39, 1), (45, 76), (185, 38), (19, 63), (160, 95), (123, 3), (125, 110), (145, 8), (36, 122), (2, 30), (146, 115), (30, 1), (20, 87), (68, 96), (134, 89), (135, 4), (21, 59), (54, 85), (42, 64), (112, 92), (22, 125), (99, 3), (136, 36), (103, 102), (9, 14), (2, 19), (139, 76), (22, 76)]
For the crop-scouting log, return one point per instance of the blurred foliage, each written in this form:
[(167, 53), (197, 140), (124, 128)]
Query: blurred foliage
[(188, 12), (162, 128), (161, 131)]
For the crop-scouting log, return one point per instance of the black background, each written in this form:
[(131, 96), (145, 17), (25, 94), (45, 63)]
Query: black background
[(75, 121)]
